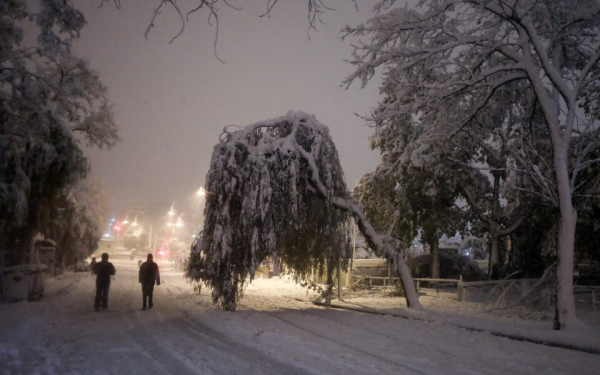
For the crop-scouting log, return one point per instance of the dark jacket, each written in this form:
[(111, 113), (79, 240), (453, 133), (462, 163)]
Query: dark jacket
[(104, 270), (149, 273)]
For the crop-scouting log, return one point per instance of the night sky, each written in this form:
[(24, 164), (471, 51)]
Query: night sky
[(171, 101)]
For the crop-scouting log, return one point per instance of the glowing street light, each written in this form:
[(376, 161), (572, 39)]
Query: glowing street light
[(179, 222), (174, 221), (126, 221), (135, 223), (202, 192)]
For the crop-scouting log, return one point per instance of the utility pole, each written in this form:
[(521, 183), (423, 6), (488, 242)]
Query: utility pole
[(154, 247)]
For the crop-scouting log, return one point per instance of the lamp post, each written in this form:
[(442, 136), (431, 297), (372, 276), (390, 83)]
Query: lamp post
[(174, 223), (201, 194)]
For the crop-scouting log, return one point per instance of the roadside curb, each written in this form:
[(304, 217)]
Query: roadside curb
[(510, 336)]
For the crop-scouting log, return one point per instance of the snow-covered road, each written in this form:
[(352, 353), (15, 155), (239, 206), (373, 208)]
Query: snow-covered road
[(276, 330)]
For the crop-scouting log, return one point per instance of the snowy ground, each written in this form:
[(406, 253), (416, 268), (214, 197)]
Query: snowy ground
[(275, 330)]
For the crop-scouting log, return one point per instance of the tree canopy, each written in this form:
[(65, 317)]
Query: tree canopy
[(50, 102), (447, 62)]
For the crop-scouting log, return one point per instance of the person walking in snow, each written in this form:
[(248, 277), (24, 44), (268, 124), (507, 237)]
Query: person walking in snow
[(148, 276), (93, 265), (104, 270)]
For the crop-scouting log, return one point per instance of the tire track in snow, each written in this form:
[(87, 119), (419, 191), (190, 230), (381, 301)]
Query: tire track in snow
[(144, 335), (137, 339), (195, 328), (315, 312), (321, 335), (161, 358), (180, 344)]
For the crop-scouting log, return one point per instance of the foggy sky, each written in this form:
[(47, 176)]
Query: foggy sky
[(171, 101)]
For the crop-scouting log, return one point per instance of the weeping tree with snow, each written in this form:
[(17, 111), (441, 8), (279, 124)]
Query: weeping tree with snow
[(276, 188), (448, 58)]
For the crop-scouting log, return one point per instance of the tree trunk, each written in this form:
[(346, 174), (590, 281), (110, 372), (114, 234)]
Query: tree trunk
[(493, 271), (565, 311), (383, 247), (329, 283), (435, 258), (561, 138), (412, 298)]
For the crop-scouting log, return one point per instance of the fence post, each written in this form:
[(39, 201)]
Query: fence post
[(459, 289), (339, 270)]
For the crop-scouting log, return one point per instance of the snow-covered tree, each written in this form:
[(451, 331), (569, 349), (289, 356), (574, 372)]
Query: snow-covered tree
[(447, 59), (409, 197), (277, 188), (494, 189), (75, 220), (180, 251), (50, 101)]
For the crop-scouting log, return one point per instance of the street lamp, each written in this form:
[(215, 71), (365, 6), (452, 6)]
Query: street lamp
[(174, 222), (202, 192)]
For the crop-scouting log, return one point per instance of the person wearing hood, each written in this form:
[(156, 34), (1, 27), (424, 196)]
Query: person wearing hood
[(148, 276), (104, 270)]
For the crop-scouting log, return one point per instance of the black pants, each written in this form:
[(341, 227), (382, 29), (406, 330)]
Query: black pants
[(101, 296), (147, 290)]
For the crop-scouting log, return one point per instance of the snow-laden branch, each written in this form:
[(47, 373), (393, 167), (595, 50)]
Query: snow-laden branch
[(278, 190)]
